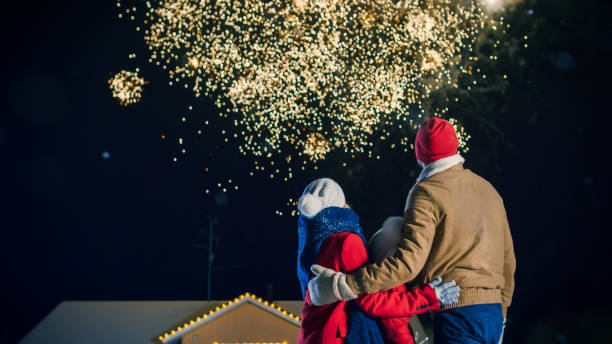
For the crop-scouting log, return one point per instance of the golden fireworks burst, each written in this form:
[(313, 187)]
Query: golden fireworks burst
[(127, 87), (312, 75), (316, 146)]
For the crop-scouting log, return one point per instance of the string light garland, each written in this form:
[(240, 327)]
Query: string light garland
[(283, 342), (231, 304)]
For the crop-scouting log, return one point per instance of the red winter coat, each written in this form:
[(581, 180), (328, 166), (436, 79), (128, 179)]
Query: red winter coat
[(328, 324)]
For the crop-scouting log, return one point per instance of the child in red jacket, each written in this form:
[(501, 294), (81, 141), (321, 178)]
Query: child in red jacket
[(395, 330), (330, 236)]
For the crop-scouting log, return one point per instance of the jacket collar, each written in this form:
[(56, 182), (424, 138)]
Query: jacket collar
[(439, 166)]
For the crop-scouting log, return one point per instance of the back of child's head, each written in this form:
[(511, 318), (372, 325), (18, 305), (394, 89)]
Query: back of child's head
[(384, 242), (320, 194)]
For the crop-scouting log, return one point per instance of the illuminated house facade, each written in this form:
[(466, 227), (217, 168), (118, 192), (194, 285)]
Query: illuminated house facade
[(245, 319)]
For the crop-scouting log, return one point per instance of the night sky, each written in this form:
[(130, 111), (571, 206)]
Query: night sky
[(94, 208)]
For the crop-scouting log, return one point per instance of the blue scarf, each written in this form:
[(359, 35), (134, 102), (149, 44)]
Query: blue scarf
[(312, 232)]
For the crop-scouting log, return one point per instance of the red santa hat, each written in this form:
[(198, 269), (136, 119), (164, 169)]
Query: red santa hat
[(435, 140)]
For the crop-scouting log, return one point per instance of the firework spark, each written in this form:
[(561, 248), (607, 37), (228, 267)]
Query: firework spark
[(316, 146), (462, 135), (312, 76), (127, 87)]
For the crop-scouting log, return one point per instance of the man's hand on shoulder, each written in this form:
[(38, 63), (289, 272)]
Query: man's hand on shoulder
[(328, 286)]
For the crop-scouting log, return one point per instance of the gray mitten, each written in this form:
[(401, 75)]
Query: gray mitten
[(447, 293), (328, 286)]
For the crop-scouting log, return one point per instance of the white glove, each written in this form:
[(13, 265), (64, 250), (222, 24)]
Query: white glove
[(447, 293), (328, 286)]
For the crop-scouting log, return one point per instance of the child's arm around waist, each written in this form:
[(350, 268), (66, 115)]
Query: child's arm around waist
[(396, 302)]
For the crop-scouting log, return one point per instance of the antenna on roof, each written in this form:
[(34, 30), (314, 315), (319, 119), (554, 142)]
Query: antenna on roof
[(270, 292), (211, 256)]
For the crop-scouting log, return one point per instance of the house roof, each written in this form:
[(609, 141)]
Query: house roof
[(138, 322), (173, 335)]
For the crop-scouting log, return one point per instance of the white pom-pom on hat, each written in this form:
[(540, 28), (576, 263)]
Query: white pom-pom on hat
[(320, 194), (309, 205)]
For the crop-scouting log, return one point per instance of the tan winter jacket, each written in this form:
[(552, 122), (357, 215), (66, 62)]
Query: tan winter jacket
[(455, 226)]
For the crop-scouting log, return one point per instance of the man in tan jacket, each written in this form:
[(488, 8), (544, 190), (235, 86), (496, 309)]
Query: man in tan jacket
[(455, 226)]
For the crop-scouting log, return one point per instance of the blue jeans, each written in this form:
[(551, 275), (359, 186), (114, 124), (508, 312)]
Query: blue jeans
[(476, 324)]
